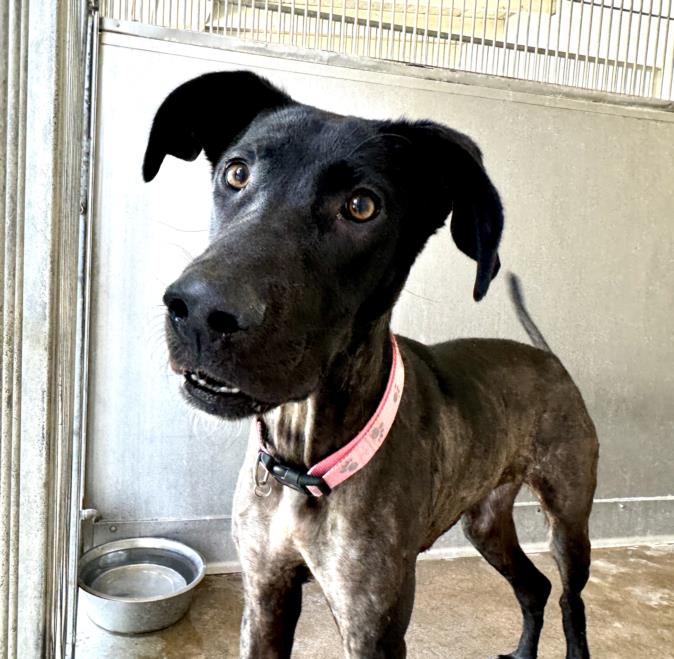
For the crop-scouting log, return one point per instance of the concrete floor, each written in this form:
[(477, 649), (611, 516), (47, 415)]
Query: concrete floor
[(463, 610)]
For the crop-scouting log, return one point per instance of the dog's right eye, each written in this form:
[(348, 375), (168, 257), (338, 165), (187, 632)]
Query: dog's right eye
[(237, 175)]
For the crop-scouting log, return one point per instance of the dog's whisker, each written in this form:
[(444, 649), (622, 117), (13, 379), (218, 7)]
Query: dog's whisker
[(179, 229), (417, 295)]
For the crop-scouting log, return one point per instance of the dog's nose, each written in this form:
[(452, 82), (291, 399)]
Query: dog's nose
[(197, 308)]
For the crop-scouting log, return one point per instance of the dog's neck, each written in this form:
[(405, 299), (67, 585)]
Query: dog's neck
[(303, 433)]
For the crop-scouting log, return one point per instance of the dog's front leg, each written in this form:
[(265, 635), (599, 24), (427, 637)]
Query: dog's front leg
[(273, 574), (272, 603), (371, 596)]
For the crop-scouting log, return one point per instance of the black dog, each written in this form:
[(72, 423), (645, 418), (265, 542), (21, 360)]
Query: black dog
[(286, 317)]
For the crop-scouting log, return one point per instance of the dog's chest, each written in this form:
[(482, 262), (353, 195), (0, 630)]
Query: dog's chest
[(289, 524)]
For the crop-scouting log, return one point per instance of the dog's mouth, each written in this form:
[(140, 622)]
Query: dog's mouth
[(220, 398), (200, 380)]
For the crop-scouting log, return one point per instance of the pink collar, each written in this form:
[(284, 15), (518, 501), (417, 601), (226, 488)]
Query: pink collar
[(336, 468)]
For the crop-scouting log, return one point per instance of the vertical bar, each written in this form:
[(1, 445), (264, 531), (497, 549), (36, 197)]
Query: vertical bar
[(415, 33), (656, 48), (666, 61), (595, 77), (403, 35), (473, 52), (484, 37), (13, 57), (633, 86), (586, 61), (567, 66), (378, 44), (440, 40), (424, 55), (341, 30), (450, 34), (254, 9), (491, 68), (577, 61), (628, 42), (558, 59), (305, 26), (516, 54), (537, 57), (649, 25), (317, 31), (37, 315), (366, 47), (331, 15), (548, 50), (292, 22), (527, 54), (280, 23), (614, 74), (463, 24), (83, 295), (391, 33), (608, 46), (506, 20)]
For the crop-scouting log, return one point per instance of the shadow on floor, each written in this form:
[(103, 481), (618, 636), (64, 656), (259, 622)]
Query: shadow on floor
[(463, 610)]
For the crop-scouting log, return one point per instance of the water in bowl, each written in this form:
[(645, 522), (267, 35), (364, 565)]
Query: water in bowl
[(139, 580)]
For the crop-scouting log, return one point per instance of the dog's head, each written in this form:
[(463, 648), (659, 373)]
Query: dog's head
[(318, 219)]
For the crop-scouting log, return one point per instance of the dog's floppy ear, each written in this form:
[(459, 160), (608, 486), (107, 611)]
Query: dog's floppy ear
[(207, 113), (456, 182)]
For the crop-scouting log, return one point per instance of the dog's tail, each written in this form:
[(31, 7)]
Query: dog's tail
[(523, 315)]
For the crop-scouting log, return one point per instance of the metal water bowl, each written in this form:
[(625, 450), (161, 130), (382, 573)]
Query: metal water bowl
[(140, 584)]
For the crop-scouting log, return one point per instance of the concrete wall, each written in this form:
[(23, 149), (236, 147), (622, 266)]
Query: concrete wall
[(589, 203)]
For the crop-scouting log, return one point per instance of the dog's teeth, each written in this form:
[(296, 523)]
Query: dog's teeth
[(223, 389)]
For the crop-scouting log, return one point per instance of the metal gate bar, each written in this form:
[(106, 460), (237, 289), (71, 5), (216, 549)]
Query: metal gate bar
[(616, 46)]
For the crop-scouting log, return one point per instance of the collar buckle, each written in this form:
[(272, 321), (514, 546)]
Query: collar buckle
[(291, 477)]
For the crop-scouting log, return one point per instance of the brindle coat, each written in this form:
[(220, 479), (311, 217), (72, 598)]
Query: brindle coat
[(287, 313)]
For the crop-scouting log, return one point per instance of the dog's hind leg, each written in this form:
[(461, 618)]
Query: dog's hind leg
[(566, 496), (571, 549), (490, 528)]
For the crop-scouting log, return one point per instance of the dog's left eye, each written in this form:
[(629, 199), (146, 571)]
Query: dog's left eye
[(361, 207), (237, 175)]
